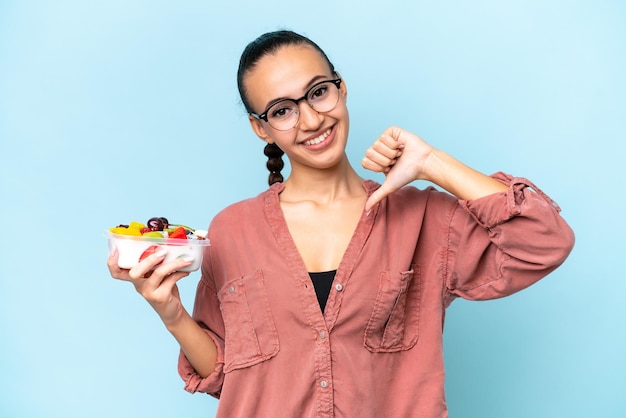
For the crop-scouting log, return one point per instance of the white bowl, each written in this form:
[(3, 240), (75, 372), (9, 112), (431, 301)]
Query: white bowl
[(130, 248)]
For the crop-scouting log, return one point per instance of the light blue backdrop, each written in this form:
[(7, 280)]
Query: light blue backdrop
[(122, 110)]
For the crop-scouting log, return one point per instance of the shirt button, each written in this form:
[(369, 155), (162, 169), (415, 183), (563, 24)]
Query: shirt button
[(322, 335), (324, 383), (339, 287), (231, 289)]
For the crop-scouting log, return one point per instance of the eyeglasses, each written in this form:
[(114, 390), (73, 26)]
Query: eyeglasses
[(284, 114)]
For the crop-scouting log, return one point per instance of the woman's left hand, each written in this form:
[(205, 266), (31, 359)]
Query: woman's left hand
[(401, 155)]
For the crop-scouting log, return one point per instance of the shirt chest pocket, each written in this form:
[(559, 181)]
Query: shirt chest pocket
[(394, 322), (250, 332)]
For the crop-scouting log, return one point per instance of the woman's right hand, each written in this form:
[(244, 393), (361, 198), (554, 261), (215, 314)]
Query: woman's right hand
[(402, 156), (156, 282)]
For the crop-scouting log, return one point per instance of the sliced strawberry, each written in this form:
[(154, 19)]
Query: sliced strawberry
[(149, 251), (178, 233)]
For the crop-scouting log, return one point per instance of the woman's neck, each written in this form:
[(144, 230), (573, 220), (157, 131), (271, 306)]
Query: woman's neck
[(323, 186)]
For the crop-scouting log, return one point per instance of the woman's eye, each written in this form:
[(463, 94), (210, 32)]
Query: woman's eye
[(281, 112), (319, 92)]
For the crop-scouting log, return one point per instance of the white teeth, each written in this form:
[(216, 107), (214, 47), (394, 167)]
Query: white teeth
[(318, 139)]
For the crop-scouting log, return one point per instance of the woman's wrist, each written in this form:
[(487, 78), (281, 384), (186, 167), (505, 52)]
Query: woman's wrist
[(434, 167), (179, 322)]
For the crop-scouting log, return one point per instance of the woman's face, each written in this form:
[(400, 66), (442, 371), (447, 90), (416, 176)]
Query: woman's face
[(318, 140)]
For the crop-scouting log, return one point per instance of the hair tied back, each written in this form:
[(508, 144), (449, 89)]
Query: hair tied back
[(274, 163)]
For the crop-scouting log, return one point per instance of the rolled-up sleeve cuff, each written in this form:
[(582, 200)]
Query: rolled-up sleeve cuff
[(495, 209), (212, 384)]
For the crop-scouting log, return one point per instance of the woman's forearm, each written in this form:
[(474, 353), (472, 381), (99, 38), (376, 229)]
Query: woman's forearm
[(195, 343), (462, 181)]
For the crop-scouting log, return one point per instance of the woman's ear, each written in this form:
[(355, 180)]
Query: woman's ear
[(343, 88), (259, 129)]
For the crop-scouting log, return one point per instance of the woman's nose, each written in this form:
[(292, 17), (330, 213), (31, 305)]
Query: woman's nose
[(310, 119)]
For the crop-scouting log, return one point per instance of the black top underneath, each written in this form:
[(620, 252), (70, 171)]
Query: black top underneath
[(322, 282)]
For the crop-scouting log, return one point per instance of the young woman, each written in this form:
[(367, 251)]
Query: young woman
[(324, 296)]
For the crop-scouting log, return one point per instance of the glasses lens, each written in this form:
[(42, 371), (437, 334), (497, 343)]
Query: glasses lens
[(323, 97), (283, 115)]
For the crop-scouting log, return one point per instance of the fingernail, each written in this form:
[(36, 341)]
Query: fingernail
[(160, 253), (187, 258)]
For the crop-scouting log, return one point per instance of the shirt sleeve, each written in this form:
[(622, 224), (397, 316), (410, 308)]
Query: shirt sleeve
[(502, 243), (208, 315)]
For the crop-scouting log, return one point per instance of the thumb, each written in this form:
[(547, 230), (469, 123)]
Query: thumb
[(379, 194)]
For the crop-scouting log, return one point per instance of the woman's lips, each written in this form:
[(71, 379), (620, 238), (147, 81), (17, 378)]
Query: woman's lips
[(319, 141)]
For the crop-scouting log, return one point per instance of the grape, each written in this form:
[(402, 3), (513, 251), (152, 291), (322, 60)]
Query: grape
[(166, 223), (156, 224)]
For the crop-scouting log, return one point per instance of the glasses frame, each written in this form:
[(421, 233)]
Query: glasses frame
[(263, 116)]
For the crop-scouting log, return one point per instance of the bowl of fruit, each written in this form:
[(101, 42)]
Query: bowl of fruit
[(136, 241)]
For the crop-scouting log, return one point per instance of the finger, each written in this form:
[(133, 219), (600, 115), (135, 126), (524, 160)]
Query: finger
[(112, 260), (373, 200), (378, 195), (393, 133), (114, 269), (376, 161), (370, 165), (387, 146), (144, 267), (160, 282), (121, 274), (169, 282), (156, 277)]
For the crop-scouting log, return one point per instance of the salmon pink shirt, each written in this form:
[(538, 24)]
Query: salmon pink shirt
[(376, 350)]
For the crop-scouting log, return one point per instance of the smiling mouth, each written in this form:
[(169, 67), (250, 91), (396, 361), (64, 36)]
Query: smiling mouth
[(319, 139)]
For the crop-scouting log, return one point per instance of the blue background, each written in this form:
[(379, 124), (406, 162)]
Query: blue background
[(112, 111)]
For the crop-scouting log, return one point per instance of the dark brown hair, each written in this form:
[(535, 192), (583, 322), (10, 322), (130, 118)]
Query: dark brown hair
[(266, 44)]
